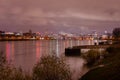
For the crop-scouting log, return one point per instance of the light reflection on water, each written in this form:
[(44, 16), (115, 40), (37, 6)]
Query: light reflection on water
[(25, 54)]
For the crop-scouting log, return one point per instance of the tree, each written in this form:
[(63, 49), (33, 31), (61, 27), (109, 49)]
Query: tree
[(116, 33)]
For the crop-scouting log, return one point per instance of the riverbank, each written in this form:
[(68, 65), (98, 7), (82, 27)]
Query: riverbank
[(108, 68)]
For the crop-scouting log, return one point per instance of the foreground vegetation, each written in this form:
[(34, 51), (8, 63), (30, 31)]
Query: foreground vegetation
[(51, 68), (48, 68), (110, 66)]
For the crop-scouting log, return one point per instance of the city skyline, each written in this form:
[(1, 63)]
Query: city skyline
[(59, 15)]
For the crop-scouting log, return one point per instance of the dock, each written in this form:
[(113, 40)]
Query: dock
[(77, 50), (91, 46)]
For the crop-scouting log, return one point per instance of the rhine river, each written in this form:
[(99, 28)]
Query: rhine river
[(25, 54)]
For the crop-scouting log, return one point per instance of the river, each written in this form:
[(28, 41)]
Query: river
[(25, 54)]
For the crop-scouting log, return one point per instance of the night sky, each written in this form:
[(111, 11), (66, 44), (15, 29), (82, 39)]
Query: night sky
[(73, 16)]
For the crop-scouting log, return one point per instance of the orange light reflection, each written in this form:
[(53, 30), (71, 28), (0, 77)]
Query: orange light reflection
[(38, 51), (8, 52)]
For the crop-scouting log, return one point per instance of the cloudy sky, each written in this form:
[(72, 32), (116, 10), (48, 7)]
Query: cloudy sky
[(73, 16)]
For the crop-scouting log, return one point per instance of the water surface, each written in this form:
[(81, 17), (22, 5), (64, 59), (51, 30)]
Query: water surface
[(25, 54)]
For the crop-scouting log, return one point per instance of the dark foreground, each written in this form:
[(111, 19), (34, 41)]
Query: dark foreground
[(110, 69)]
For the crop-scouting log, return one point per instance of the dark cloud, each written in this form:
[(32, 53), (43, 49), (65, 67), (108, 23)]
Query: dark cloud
[(59, 15)]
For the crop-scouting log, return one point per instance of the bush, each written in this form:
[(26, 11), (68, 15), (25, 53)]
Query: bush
[(2, 59), (92, 56), (8, 72), (51, 68)]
